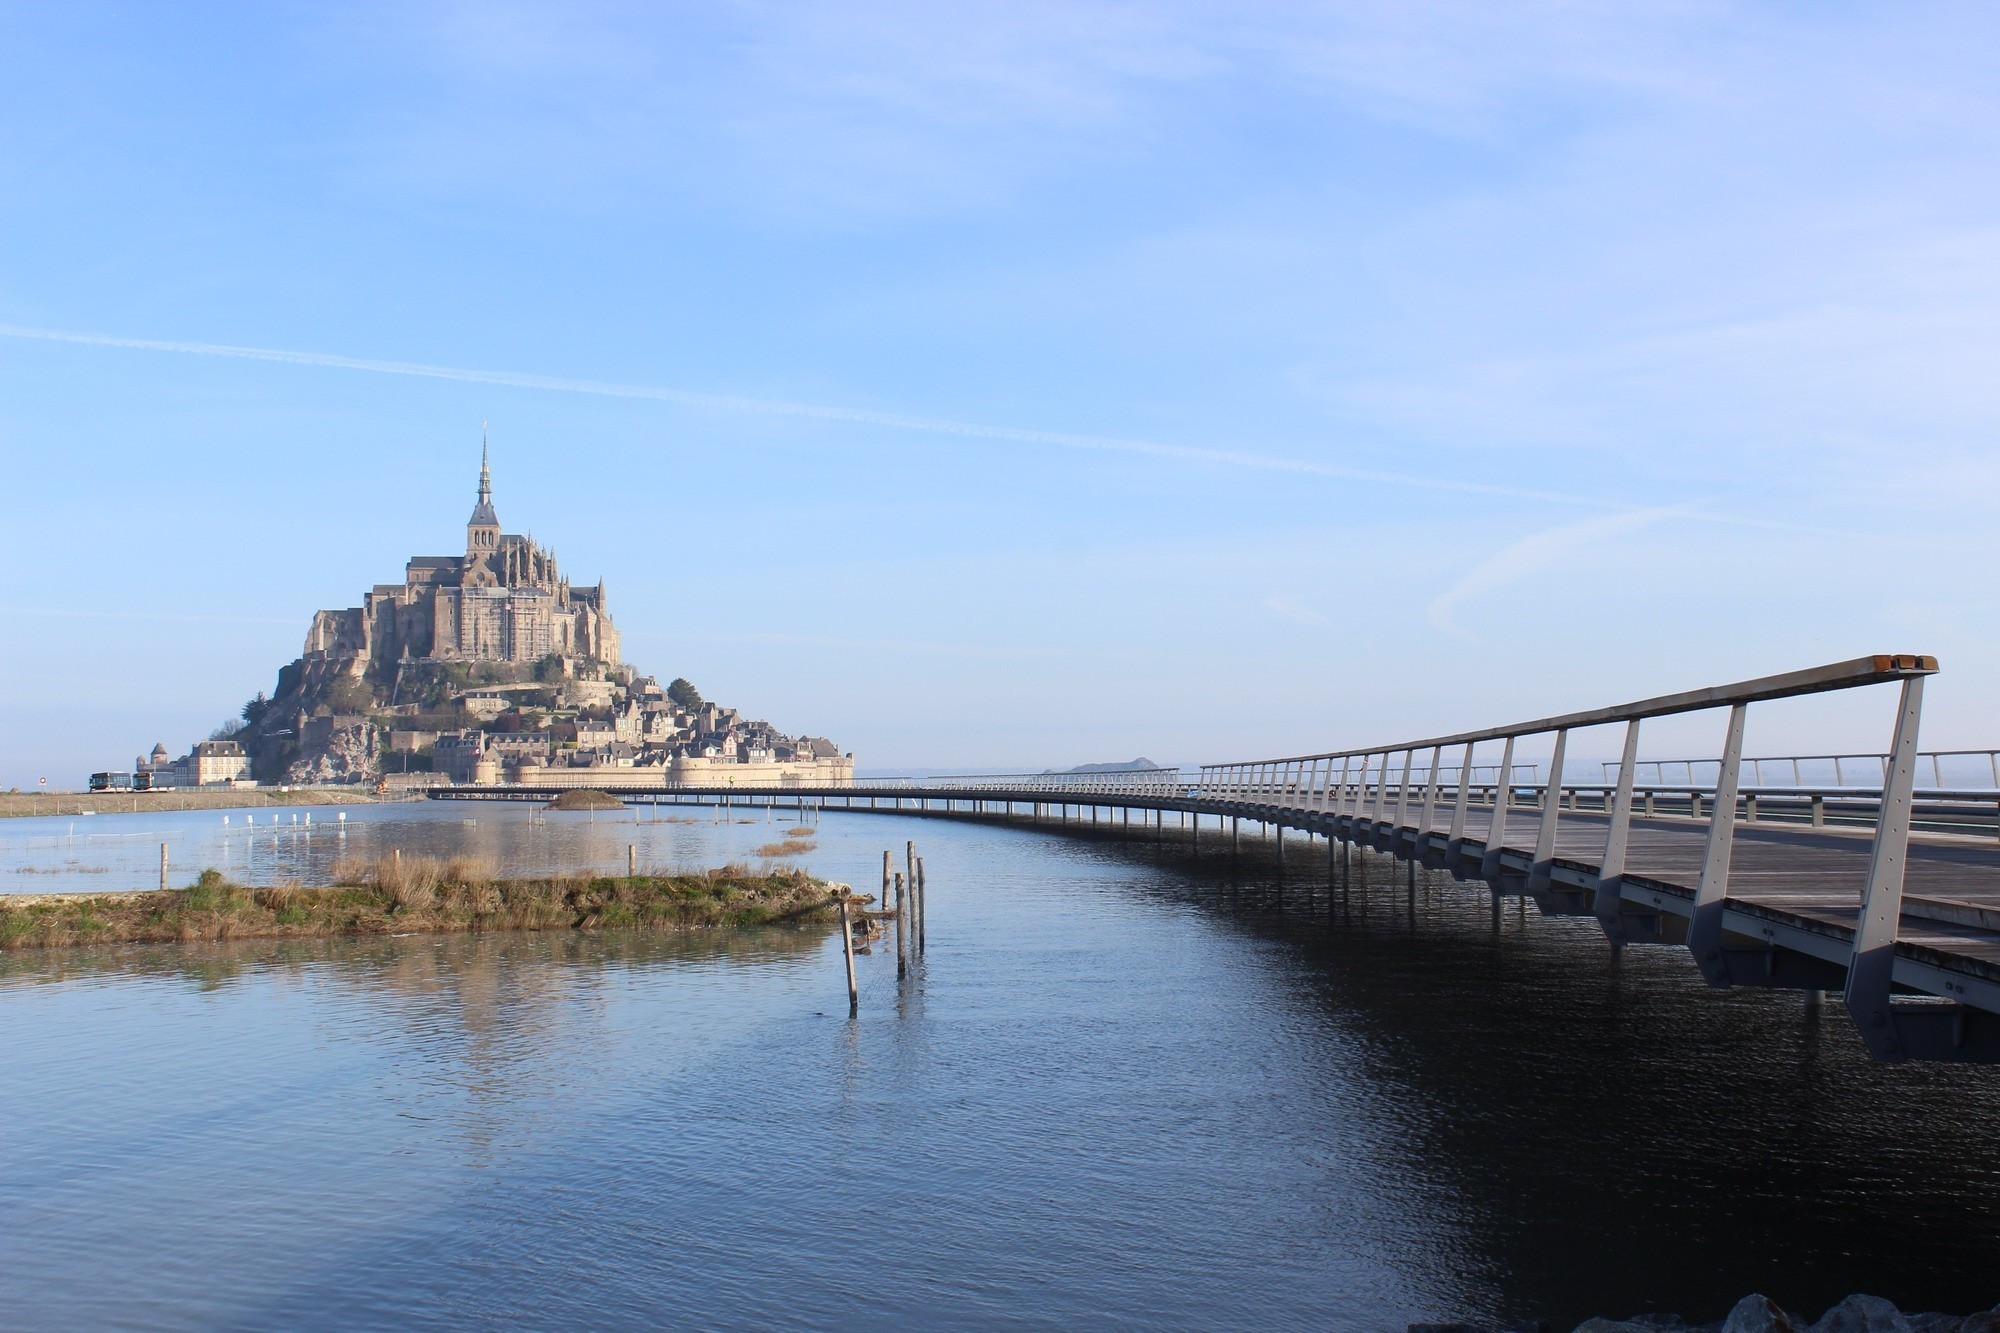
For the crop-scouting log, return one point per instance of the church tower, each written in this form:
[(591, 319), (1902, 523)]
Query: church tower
[(482, 530)]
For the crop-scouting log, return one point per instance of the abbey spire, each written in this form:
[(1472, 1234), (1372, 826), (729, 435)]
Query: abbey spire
[(482, 530)]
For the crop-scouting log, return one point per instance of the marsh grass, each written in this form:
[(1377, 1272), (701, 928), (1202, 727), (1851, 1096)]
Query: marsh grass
[(417, 894), (585, 798)]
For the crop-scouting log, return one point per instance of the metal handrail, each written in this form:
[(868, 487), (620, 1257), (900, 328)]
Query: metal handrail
[(1354, 797), (1936, 759)]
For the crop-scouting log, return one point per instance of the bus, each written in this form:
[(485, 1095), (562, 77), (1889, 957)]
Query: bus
[(112, 782)]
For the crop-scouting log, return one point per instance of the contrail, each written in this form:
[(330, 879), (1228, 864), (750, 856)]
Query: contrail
[(72, 613), (861, 416)]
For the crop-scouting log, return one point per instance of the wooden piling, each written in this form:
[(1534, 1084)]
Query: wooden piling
[(847, 948), (923, 903), (632, 861), (163, 865), (885, 879), (902, 932)]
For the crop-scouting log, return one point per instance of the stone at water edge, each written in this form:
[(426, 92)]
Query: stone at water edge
[(1760, 1314), (1986, 1321), (1863, 1314)]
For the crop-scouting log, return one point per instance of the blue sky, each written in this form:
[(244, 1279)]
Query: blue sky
[(997, 384)]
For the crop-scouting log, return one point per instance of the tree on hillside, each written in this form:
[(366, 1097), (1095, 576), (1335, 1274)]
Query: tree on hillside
[(349, 695), (684, 694)]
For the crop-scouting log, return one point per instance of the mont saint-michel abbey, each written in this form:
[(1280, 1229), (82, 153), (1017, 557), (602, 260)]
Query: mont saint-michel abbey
[(487, 667), (504, 600)]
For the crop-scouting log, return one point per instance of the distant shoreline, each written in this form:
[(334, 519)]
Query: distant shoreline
[(23, 805)]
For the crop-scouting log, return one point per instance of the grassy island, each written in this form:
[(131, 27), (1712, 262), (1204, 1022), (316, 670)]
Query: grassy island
[(585, 798), (417, 895)]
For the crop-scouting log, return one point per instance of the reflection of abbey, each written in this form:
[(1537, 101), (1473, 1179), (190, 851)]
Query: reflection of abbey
[(504, 600), (488, 667)]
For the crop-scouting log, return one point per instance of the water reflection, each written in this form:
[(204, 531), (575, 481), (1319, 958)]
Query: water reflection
[(1126, 1085), (274, 846)]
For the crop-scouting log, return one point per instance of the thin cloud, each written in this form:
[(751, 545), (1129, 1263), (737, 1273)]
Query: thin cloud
[(1537, 552), (821, 412), (1291, 610), (67, 613), (873, 647)]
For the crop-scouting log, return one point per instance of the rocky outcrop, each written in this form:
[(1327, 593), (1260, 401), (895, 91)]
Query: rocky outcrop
[(347, 754)]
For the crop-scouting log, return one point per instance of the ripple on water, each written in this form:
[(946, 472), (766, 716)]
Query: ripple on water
[(1121, 1087)]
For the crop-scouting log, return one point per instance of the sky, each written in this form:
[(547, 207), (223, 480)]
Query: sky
[(1014, 384)]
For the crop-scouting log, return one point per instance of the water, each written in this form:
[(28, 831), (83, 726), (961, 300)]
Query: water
[(1122, 1088)]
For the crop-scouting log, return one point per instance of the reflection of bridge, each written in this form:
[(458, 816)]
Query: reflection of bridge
[(1888, 894)]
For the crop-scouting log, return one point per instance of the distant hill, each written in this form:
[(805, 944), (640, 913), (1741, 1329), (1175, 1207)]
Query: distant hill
[(1129, 766)]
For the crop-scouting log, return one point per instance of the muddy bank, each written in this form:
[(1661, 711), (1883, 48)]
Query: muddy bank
[(18, 805)]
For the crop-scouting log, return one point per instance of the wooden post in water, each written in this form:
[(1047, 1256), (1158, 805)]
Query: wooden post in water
[(885, 879), (632, 861), (163, 865), (847, 948), (902, 934), (916, 903), (923, 903)]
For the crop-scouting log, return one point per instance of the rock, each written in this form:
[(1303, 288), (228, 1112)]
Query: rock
[(1603, 1325), (1863, 1314), (1937, 1323), (1761, 1314)]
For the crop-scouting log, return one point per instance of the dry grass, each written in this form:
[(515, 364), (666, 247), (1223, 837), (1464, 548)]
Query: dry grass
[(798, 841), (585, 798), (417, 894)]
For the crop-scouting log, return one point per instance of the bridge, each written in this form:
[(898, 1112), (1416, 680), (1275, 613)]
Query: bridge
[(1887, 893)]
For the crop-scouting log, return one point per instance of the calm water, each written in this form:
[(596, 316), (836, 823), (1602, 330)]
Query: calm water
[(1123, 1088)]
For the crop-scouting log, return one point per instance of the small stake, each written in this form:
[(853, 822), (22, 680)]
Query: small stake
[(163, 865), (923, 890), (631, 861), (847, 948)]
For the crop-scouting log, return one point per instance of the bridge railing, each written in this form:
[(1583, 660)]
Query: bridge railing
[(1973, 811), (1120, 782), (1811, 770), (1379, 786)]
